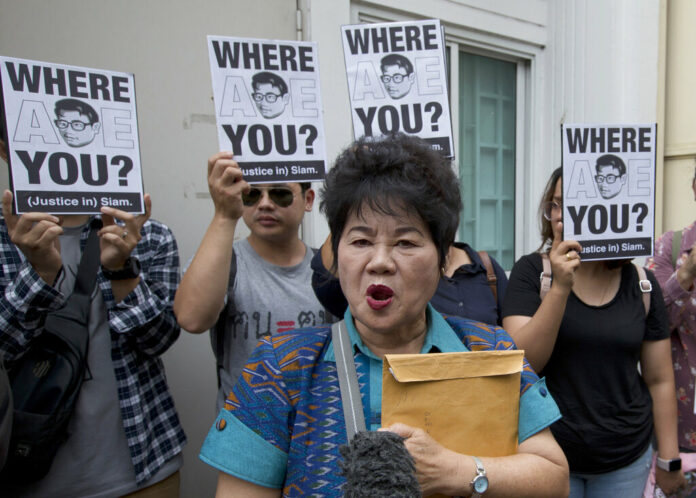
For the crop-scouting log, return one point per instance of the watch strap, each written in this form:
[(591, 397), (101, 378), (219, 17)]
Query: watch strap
[(480, 474), (669, 465)]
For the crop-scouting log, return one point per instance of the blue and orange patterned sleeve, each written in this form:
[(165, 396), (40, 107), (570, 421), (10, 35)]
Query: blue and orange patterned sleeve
[(250, 437)]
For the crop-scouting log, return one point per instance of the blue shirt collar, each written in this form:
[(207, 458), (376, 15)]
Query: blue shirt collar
[(438, 338)]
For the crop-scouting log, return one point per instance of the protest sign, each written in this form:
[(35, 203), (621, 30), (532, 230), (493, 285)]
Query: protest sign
[(398, 82), (268, 107), (72, 137), (609, 189)]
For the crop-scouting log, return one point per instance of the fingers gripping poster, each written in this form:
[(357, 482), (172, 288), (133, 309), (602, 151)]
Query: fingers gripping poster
[(268, 107), (609, 189), (397, 81), (72, 138)]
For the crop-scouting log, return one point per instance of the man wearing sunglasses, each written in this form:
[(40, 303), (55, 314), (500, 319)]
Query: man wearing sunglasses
[(397, 75), (611, 175), (242, 290), (270, 94), (77, 122)]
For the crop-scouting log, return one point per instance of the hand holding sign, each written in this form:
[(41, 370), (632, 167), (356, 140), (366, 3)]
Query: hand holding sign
[(36, 235), (565, 258), (226, 185), (687, 271), (116, 242)]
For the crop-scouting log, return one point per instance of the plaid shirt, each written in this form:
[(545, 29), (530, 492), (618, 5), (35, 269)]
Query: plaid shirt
[(142, 326)]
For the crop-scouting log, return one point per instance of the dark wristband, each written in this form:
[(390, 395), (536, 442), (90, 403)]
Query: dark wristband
[(131, 269)]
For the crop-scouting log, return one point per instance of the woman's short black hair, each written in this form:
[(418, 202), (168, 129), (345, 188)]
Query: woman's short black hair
[(388, 175)]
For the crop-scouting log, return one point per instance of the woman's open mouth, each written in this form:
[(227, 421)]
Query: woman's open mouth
[(379, 296)]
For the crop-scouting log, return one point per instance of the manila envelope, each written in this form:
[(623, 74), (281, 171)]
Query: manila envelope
[(468, 402)]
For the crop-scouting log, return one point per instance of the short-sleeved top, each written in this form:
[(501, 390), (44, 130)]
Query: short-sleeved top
[(466, 293), (592, 372), (283, 423)]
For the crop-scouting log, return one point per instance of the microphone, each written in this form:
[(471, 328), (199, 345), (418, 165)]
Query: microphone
[(377, 464)]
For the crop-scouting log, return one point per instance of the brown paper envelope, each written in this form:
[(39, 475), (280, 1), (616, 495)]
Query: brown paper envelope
[(468, 402)]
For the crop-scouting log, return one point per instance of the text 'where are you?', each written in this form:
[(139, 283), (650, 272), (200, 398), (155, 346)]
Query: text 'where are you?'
[(268, 107), (72, 135), (609, 189)]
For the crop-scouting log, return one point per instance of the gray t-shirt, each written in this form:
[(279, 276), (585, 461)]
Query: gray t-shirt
[(95, 460), (267, 299)]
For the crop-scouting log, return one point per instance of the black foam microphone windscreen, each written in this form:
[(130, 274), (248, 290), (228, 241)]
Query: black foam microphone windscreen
[(377, 464)]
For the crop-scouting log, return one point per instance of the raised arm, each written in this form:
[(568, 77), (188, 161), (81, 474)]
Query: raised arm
[(677, 284), (537, 334), (538, 469), (201, 294)]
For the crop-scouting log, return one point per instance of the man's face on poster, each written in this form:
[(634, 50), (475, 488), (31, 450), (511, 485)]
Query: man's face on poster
[(269, 101), (75, 128), (396, 82), (609, 181)]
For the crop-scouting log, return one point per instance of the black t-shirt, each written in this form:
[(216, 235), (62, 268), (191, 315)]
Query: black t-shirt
[(592, 373)]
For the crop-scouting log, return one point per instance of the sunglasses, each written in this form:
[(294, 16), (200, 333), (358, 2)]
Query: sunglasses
[(280, 196)]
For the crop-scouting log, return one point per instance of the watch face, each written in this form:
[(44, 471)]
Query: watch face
[(480, 484)]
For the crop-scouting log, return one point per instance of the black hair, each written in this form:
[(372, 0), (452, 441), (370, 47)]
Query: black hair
[(271, 79), (613, 161), (397, 60), (388, 175), (305, 186), (67, 105)]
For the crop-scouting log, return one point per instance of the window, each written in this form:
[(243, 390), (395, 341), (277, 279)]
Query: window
[(486, 112)]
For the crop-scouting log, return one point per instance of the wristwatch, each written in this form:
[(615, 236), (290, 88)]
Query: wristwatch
[(131, 269), (480, 482), (669, 465)]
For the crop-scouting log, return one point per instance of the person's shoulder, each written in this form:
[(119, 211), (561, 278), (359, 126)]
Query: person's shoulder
[(300, 346), (479, 336)]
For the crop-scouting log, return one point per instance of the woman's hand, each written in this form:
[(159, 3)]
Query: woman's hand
[(437, 468), (670, 482), (565, 259)]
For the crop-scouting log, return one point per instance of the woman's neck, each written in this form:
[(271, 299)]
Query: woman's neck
[(399, 342), (595, 284)]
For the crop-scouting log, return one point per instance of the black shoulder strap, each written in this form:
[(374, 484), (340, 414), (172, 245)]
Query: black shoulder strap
[(219, 328), (89, 263)]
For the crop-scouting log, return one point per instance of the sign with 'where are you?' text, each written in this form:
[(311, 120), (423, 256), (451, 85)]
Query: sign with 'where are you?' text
[(609, 189), (72, 137), (397, 81), (268, 107)]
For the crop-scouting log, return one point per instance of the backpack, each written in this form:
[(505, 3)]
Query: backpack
[(46, 380), (643, 283)]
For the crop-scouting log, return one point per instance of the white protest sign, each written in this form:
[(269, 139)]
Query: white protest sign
[(398, 82), (268, 107), (72, 137), (609, 189)]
